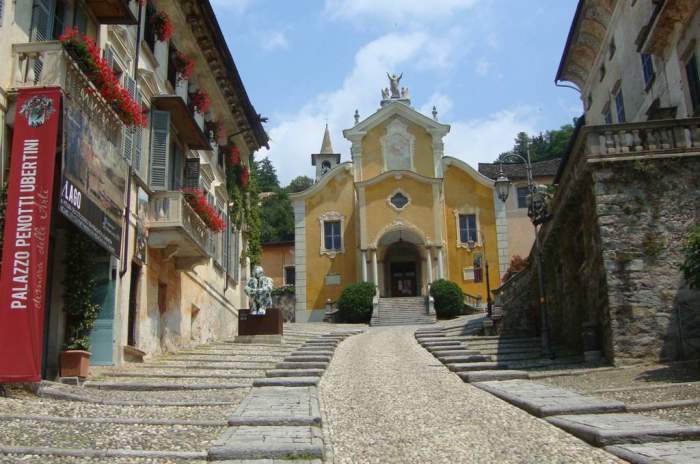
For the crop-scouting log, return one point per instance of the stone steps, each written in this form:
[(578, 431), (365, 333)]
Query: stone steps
[(402, 311)]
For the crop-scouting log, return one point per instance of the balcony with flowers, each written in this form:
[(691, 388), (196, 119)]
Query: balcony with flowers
[(75, 64)]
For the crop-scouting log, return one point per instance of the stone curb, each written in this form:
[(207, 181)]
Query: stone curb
[(287, 382), (162, 387), (465, 359), (275, 421), (327, 353), (45, 392), (663, 405), (655, 453), (207, 367), (301, 365), (491, 375), (108, 453), (115, 420), (477, 366), (139, 375), (294, 373), (536, 407), (325, 359), (651, 430)]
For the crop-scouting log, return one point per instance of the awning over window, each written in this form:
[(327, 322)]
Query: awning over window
[(111, 11)]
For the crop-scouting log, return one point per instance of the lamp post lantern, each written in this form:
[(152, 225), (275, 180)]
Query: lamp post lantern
[(537, 211), (471, 244)]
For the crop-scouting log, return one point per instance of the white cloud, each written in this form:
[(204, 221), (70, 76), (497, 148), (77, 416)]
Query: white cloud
[(393, 11), (442, 103), (482, 67), (295, 136), (236, 6), (482, 140), (274, 40)]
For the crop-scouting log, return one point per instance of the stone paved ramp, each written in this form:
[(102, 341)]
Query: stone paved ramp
[(386, 400), (172, 409)]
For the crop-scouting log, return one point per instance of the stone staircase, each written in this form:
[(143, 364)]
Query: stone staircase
[(402, 311)]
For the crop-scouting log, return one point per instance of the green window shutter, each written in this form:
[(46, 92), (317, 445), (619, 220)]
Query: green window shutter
[(227, 244), (128, 132), (81, 18), (138, 142), (160, 143), (42, 20)]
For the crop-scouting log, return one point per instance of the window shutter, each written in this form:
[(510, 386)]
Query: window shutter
[(227, 243), (192, 179), (41, 20), (138, 142), (128, 132), (109, 56), (81, 18), (160, 141)]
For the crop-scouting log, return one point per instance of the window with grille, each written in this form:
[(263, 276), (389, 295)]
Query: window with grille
[(620, 106), (478, 271), (648, 68), (523, 193), (289, 275), (467, 228), (691, 73), (331, 235)]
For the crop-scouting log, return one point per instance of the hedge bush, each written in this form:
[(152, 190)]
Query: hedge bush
[(355, 303), (448, 297)]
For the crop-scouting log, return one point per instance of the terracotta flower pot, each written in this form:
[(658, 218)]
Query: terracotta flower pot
[(75, 363)]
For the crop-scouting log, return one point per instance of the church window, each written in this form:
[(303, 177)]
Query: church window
[(467, 228), (478, 272), (399, 200), (523, 193), (325, 167), (331, 235)]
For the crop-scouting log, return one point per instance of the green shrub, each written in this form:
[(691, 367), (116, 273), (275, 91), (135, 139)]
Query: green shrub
[(448, 297), (355, 303), (691, 266)]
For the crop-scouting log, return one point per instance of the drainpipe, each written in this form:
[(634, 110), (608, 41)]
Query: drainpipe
[(130, 173)]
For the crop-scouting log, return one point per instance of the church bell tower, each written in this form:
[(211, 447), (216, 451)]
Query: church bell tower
[(325, 160)]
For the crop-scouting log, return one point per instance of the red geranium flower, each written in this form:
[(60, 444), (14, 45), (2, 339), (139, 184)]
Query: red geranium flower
[(162, 26)]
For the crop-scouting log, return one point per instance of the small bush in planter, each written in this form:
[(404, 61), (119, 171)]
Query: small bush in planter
[(448, 297), (355, 303)]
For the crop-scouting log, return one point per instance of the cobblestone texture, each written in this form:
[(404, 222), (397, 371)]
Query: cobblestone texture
[(387, 400)]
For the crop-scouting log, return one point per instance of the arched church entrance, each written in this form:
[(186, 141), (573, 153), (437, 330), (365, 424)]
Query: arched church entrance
[(402, 270)]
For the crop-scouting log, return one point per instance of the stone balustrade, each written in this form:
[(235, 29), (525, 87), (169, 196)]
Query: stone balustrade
[(169, 211), (655, 138)]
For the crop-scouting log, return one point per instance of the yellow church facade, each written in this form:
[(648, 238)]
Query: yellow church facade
[(400, 214)]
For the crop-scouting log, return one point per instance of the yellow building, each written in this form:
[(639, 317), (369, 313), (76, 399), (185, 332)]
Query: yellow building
[(400, 215)]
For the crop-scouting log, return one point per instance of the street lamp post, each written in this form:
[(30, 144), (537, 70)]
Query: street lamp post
[(537, 211), (489, 302)]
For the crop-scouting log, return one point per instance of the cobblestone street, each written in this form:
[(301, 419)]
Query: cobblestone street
[(387, 400)]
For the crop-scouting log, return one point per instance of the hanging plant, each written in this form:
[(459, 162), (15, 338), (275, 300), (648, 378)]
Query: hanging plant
[(200, 101), (87, 56), (162, 26), (198, 201), (215, 130), (244, 178), (184, 65), (234, 157), (79, 286)]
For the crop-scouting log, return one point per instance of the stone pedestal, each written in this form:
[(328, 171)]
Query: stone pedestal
[(263, 329)]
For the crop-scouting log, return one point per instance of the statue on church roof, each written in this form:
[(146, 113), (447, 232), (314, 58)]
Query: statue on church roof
[(394, 81), (385, 94)]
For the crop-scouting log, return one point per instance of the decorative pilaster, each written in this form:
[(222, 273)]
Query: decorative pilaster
[(364, 265), (441, 271), (375, 271)]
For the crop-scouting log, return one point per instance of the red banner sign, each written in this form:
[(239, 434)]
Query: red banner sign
[(26, 239)]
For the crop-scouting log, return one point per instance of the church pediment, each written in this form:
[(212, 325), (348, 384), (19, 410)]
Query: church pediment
[(397, 108)]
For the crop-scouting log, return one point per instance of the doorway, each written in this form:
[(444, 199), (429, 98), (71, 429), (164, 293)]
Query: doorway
[(102, 335), (402, 270)]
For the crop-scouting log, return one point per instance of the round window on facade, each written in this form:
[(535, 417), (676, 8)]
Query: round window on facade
[(399, 200)]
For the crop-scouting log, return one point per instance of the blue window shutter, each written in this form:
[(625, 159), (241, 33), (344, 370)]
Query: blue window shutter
[(160, 143), (42, 20)]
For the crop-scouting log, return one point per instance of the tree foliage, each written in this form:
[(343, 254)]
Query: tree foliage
[(545, 146), (299, 183), (267, 176), (691, 265)]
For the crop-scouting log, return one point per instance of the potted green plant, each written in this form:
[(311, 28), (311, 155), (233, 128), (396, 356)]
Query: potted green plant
[(81, 312)]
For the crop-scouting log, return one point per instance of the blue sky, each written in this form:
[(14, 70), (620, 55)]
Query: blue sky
[(488, 66)]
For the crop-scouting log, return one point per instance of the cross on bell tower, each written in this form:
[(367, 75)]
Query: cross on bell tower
[(325, 160)]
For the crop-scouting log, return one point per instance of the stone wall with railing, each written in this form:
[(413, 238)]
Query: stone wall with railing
[(627, 199)]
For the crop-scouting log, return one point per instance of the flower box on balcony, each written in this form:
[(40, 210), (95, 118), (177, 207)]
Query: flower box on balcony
[(196, 199)]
